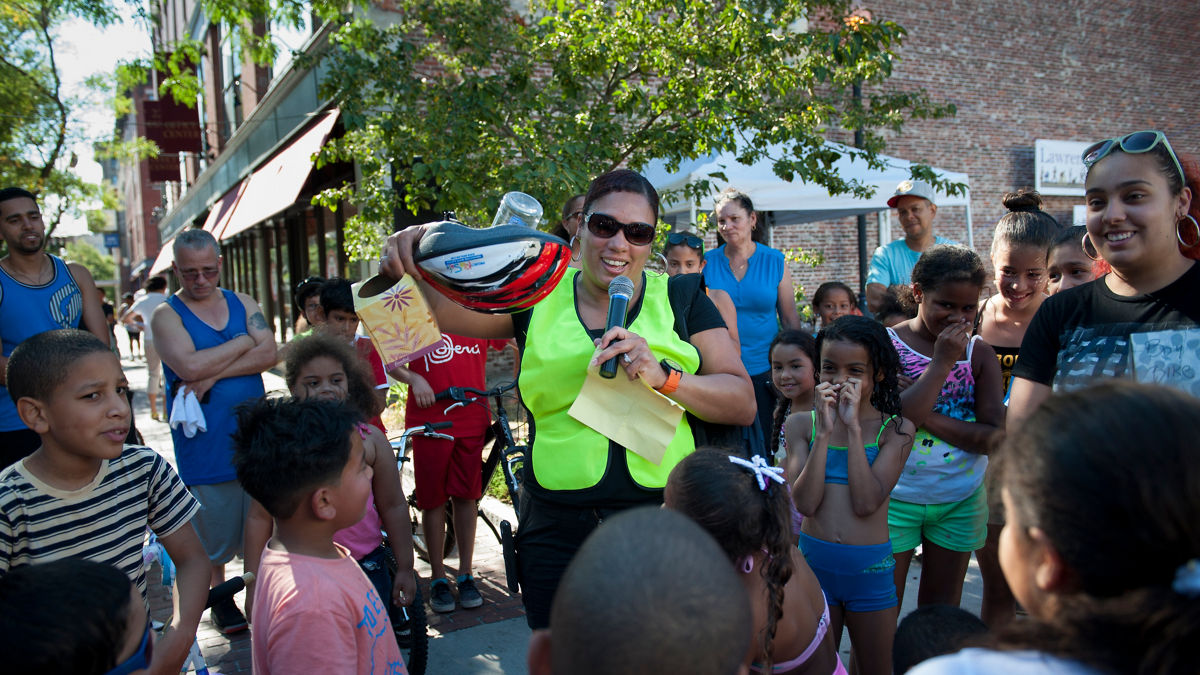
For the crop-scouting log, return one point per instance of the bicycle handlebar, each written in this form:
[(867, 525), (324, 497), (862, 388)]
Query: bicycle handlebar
[(459, 394), (428, 429)]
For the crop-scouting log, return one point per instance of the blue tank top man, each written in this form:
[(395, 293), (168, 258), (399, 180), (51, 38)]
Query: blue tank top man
[(214, 344), (38, 292)]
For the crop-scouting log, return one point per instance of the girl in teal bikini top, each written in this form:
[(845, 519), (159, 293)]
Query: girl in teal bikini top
[(837, 461)]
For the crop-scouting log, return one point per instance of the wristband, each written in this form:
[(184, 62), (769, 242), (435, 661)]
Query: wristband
[(674, 374)]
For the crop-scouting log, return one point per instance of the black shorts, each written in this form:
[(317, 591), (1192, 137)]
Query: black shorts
[(547, 539)]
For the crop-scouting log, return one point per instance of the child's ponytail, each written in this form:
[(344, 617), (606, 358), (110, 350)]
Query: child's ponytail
[(777, 564)]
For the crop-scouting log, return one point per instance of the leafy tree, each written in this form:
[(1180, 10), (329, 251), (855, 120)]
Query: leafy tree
[(459, 101), (37, 125), (100, 264)]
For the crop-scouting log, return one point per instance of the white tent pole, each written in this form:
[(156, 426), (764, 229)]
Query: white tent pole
[(970, 230)]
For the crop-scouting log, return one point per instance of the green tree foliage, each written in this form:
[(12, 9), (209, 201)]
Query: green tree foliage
[(459, 101), (100, 264), (37, 125)]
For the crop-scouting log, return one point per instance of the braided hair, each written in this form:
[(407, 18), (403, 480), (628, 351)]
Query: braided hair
[(873, 337), (725, 499)]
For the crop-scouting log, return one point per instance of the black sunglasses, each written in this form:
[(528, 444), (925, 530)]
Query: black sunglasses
[(605, 226), (687, 239)]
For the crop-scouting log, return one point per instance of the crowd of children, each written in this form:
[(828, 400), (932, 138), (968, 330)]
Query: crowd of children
[(1011, 428)]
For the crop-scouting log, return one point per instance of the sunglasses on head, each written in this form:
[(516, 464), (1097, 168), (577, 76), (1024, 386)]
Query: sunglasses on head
[(605, 226), (308, 281), (1135, 143), (687, 239)]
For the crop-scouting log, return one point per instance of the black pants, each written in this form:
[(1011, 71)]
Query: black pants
[(547, 539), (764, 399), (374, 565)]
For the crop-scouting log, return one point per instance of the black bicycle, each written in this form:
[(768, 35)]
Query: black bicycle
[(504, 452), (412, 626)]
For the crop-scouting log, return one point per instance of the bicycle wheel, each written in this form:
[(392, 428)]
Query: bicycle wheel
[(411, 626)]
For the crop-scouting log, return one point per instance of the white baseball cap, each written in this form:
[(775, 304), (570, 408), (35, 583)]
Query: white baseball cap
[(913, 188)]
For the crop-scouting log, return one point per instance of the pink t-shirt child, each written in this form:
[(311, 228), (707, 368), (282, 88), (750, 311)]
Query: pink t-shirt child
[(318, 615)]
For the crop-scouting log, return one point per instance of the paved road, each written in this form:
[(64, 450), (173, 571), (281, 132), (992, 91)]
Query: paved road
[(491, 639)]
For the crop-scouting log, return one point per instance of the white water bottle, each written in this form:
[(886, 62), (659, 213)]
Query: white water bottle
[(518, 208)]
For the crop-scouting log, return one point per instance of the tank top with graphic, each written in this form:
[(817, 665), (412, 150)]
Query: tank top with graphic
[(28, 310), (937, 472)]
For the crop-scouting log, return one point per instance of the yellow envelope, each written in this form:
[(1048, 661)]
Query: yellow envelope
[(630, 413), (397, 318)]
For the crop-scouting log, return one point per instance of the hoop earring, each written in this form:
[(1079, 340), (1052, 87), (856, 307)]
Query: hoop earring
[(1086, 243), (574, 252), (1179, 232)]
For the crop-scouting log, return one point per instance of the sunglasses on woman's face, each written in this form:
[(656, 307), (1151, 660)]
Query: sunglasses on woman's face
[(605, 226), (1135, 143), (685, 238)]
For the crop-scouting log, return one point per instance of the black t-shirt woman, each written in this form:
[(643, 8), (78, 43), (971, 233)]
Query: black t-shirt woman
[(1141, 219)]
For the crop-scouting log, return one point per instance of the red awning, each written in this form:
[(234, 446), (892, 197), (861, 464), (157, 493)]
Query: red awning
[(276, 185), (222, 211), (166, 256)]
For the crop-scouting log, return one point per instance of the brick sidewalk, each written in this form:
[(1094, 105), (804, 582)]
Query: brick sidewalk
[(231, 654)]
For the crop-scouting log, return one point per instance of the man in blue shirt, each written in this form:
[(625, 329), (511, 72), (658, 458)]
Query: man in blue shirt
[(38, 292), (892, 263), (214, 343)]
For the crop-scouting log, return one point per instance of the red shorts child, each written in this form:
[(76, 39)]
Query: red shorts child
[(445, 469)]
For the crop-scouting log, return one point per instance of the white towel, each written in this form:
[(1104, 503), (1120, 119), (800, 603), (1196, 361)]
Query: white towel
[(186, 413)]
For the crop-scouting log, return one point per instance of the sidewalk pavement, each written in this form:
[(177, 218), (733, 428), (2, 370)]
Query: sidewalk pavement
[(491, 639)]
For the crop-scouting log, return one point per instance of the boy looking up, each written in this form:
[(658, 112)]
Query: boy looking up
[(315, 609), (84, 493)]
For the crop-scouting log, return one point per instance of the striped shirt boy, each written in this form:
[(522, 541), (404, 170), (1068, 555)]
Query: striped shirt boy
[(104, 521)]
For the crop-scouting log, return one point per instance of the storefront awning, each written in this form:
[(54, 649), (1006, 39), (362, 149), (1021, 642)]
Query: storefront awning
[(276, 185), (133, 273), (222, 211), (165, 257)]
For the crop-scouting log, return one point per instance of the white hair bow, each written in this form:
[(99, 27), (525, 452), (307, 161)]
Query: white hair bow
[(762, 471)]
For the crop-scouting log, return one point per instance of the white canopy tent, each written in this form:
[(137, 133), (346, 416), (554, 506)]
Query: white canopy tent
[(797, 201)]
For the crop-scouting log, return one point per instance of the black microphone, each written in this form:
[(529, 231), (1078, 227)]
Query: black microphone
[(620, 292)]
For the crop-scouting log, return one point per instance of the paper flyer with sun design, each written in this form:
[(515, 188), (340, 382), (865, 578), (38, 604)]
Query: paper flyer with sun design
[(397, 318)]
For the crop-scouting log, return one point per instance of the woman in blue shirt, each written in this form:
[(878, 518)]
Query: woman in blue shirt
[(756, 277)]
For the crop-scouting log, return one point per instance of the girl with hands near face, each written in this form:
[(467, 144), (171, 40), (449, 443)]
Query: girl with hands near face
[(957, 403), (847, 454)]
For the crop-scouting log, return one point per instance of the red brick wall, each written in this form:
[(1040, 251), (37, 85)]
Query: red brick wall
[(1018, 71)]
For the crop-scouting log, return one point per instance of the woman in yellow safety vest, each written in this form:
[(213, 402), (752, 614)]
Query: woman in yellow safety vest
[(674, 339)]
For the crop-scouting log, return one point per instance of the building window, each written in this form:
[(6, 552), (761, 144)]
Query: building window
[(231, 90)]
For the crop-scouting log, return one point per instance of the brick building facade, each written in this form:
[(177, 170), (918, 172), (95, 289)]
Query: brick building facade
[(1018, 71)]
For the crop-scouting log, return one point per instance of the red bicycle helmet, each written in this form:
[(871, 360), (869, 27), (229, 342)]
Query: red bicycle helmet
[(498, 270)]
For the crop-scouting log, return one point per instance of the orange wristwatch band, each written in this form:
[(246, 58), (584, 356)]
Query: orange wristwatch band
[(672, 383)]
